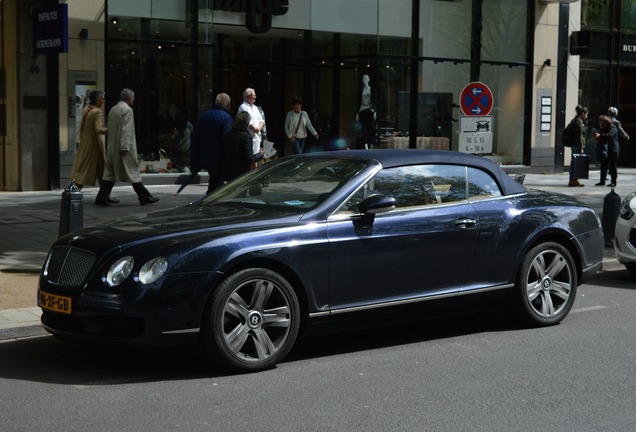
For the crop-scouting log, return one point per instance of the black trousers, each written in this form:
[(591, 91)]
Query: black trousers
[(609, 164), (106, 188), (368, 126)]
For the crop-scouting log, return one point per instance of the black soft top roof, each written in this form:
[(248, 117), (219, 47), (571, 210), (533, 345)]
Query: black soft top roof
[(389, 158)]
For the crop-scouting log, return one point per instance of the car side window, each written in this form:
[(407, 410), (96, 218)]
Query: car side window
[(481, 185), (415, 185)]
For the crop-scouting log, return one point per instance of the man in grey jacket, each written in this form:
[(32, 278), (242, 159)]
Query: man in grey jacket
[(121, 155), (612, 112)]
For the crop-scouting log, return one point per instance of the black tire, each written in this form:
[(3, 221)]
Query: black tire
[(546, 285), (251, 321)]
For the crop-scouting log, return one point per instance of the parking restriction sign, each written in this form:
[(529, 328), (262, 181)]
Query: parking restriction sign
[(475, 134), (476, 99)]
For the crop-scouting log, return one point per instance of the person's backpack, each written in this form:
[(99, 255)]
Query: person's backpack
[(566, 136)]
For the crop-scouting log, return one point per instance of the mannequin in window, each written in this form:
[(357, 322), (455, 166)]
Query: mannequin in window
[(366, 115)]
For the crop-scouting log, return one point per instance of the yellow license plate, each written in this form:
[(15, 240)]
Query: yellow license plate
[(54, 303)]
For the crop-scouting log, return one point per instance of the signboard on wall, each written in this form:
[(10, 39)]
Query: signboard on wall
[(50, 26)]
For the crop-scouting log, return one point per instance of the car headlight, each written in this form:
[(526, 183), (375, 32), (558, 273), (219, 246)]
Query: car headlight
[(153, 270), (119, 271), (625, 210)]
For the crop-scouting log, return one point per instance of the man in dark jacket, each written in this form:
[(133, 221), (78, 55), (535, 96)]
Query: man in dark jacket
[(206, 149)]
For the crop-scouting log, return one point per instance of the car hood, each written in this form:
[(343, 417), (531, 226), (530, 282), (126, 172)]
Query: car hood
[(206, 222)]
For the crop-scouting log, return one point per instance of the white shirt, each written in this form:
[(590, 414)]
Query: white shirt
[(255, 120)]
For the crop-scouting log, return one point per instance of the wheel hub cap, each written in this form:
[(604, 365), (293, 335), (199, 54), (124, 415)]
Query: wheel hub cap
[(254, 319), (547, 282)]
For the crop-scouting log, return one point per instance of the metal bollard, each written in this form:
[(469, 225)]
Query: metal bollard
[(72, 210), (611, 207)]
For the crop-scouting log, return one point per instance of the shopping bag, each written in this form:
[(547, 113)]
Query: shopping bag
[(580, 166), (268, 149)]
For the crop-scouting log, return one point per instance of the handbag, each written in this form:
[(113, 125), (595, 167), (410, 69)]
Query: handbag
[(580, 166)]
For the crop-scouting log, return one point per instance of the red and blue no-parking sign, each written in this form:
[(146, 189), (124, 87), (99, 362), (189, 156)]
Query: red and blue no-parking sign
[(476, 99)]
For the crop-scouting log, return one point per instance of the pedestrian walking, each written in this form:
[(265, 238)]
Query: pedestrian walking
[(296, 124), (207, 151), (576, 133), (122, 163), (88, 166)]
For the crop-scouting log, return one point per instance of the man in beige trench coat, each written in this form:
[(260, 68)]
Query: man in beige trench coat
[(121, 154)]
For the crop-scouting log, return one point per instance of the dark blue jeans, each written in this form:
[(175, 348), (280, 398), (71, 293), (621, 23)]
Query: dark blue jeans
[(299, 145)]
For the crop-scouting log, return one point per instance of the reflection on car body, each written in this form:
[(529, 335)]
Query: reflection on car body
[(313, 243)]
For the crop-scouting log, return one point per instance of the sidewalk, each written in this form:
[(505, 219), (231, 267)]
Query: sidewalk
[(30, 224)]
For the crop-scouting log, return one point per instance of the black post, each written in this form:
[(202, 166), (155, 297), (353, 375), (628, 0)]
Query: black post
[(611, 207), (71, 210), (415, 64)]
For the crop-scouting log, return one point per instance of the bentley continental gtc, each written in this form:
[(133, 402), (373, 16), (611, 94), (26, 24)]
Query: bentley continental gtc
[(318, 243)]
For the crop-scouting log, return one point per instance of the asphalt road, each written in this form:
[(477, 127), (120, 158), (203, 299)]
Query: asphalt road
[(477, 373)]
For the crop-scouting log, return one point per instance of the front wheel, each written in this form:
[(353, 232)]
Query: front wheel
[(546, 284), (251, 321)]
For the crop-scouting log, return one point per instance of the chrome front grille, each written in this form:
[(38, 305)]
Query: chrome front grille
[(68, 266)]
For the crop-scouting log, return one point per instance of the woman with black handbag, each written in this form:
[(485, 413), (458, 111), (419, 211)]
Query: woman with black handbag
[(577, 132)]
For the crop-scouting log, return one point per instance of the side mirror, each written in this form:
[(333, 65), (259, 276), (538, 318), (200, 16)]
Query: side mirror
[(376, 204)]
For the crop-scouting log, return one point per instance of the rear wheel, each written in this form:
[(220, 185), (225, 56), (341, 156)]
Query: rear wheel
[(251, 321), (546, 285)]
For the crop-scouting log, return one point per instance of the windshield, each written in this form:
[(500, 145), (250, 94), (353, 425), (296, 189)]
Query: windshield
[(296, 183)]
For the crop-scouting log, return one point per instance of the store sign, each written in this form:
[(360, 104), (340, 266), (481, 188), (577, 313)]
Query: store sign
[(628, 48), (253, 9), (51, 29)]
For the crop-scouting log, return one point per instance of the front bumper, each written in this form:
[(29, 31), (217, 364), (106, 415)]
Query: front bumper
[(625, 240), (154, 315)]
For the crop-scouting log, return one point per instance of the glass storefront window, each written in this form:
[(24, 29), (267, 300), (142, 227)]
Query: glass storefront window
[(509, 118), (592, 83), (628, 14), (441, 83), (151, 51), (504, 39), (161, 76), (445, 28), (595, 13)]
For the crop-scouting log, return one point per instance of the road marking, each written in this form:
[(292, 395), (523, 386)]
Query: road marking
[(21, 338), (588, 309)]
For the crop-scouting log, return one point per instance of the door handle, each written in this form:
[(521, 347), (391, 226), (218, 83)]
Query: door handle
[(464, 223)]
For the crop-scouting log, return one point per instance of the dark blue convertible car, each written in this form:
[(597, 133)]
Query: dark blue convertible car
[(318, 243)]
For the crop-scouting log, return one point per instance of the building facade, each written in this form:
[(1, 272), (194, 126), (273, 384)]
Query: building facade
[(606, 45), (409, 60)]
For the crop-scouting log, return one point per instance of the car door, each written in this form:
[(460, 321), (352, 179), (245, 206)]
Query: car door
[(421, 248), (496, 253)]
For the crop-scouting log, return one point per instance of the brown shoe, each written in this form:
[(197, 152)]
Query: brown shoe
[(575, 183)]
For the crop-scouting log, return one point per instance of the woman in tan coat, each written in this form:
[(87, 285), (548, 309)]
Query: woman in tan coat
[(91, 154)]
